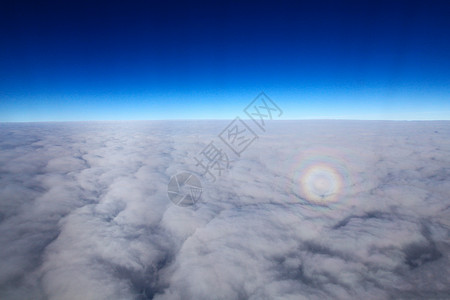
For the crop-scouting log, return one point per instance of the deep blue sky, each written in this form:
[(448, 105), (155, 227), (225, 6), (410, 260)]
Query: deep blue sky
[(97, 60)]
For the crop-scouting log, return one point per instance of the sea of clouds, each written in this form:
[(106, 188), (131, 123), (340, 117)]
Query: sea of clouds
[(84, 212)]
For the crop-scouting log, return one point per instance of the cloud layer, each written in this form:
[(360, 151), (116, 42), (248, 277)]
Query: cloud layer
[(311, 210)]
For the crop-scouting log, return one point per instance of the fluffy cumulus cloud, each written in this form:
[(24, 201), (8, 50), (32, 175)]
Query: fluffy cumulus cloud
[(310, 210)]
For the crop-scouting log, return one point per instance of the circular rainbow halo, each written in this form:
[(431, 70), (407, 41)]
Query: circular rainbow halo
[(320, 179)]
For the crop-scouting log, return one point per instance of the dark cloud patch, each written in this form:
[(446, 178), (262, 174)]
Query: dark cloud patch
[(418, 254), (368, 215)]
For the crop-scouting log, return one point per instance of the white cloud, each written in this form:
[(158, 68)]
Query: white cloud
[(84, 212)]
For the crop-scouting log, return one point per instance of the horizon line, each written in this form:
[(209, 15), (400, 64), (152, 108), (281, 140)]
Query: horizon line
[(228, 119)]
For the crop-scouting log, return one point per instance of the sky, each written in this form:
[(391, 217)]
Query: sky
[(147, 60)]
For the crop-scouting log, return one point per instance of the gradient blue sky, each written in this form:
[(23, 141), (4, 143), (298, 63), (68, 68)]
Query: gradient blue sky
[(125, 60)]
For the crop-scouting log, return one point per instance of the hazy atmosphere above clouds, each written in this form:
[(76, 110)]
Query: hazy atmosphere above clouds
[(158, 60), (310, 210)]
